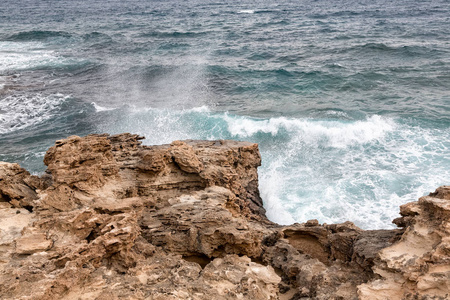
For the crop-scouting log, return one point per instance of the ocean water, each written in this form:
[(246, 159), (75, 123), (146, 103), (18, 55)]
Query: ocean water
[(348, 100)]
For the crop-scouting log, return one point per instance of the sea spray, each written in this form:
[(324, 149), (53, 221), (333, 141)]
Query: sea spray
[(348, 100), (331, 170)]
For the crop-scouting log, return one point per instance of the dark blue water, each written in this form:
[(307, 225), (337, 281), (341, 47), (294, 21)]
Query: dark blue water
[(349, 100)]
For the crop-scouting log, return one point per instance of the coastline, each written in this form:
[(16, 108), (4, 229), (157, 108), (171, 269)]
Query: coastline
[(113, 219)]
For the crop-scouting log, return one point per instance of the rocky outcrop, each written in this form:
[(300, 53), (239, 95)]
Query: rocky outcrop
[(113, 219), (418, 265)]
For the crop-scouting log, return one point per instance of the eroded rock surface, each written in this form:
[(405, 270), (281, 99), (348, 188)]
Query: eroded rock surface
[(113, 219), (418, 265)]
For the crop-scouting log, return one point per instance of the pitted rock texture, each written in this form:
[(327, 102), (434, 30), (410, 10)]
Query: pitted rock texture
[(113, 219)]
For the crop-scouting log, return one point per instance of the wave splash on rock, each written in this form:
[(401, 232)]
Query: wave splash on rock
[(113, 219)]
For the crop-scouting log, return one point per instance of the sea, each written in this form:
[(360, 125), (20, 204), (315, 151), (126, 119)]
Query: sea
[(349, 100)]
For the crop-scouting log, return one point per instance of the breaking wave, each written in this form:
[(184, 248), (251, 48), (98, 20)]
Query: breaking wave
[(331, 170)]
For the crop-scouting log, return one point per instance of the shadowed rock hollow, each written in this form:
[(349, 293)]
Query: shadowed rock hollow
[(113, 219)]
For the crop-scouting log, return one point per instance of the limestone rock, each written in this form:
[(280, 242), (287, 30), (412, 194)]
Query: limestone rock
[(184, 155), (418, 265), (32, 243), (12, 223), (114, 219), (81, 162)]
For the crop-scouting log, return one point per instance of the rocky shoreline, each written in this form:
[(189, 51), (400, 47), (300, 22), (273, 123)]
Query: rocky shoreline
[(113, 219)]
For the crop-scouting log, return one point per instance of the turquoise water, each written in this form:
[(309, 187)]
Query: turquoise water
[(348, 100)]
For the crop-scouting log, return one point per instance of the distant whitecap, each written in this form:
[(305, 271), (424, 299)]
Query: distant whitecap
[(247, 11)]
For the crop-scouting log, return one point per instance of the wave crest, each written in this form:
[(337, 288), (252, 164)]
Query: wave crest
[(330, 169), (321, 133)]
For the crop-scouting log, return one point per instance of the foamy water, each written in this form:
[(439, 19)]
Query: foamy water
[(16, 56), (328, 170), (348, 100), (21, 111)]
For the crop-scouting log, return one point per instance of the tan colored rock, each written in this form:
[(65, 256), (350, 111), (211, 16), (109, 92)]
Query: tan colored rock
[(113, 219), (81, 162), (17, 186), (184, 155), (12, 223), (153, 161), (31, 243), (418, 265), (201, 224)]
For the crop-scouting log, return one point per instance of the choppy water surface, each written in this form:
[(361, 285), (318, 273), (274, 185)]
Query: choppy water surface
[(348, 100)]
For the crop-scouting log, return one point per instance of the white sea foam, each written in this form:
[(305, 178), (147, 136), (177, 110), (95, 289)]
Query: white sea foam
[(21, 111), (365, 182), (16, 56), (343, 170), (334, 133), (328, 170), (272, 180)]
